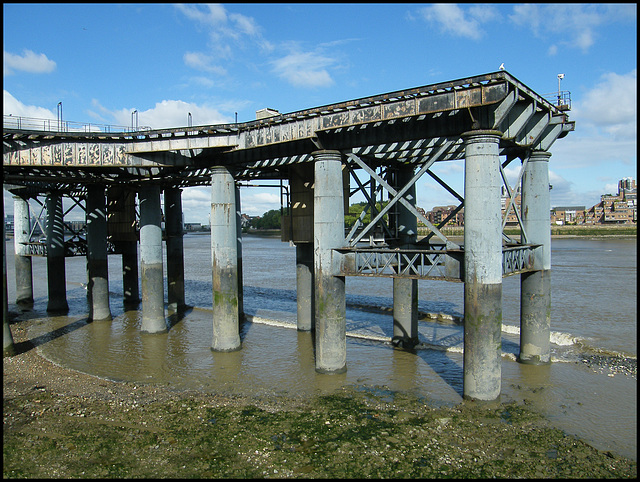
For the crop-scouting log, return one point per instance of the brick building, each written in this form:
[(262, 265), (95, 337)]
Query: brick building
[(620, 208)]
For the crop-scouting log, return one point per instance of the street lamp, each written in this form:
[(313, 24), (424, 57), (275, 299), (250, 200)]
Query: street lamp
[(134, 126), (189, 121), (560, 77), (59, 116)]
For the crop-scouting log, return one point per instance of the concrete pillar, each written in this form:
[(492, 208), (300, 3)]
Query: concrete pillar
[(21, 235), (482, 267), (239, 247), (97, 265), (153, 318), (304, 287), (56, 276), (130, 286), (328, 234), (405, 290), (121, 214), (298, 227), (8, 347), (535, 287), (175, 251), (224, 261)]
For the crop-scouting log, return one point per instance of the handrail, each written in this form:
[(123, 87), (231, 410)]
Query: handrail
[(562, 99), (54, 125)]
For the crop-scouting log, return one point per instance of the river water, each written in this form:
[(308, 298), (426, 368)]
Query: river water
[(589, 389)]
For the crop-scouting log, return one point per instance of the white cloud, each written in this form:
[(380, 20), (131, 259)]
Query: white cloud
[(222, 25), (213, 14), (12, 106), (172, 113), (257, 201), (200, 61), (454, 20), (611, 105), (28, 62), (575, 25), (304, 69)]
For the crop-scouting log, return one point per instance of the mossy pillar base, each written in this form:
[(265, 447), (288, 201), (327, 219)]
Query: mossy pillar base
[(304, 287), (535, 287), (97, 265), (328, 234), (224, 262), (151, 266), (482, 267), (23, 266)]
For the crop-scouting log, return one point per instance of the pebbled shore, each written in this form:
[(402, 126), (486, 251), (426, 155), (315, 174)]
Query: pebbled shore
[(61, 423)]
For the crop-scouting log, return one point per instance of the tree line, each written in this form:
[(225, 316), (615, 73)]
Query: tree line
[(273, 219)]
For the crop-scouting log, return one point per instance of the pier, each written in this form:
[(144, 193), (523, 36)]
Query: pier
[(378, 147)]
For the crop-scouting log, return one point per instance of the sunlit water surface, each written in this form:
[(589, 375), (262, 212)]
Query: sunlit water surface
[(594, 310)]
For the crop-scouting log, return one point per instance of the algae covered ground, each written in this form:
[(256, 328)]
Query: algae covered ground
[(59, 423)]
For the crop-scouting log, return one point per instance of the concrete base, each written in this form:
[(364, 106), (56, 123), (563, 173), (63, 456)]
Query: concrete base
[(535, 318)]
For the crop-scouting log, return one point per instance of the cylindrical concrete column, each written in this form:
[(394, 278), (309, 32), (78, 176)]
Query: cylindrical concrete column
[(153, 318), (328, 234), (304, 287), (405, 290), (224, 261), (239, 244), (121, 215), (56, 276), (97, 265), (482, 267), (535, 287), (8, 347), (21, 236), (130, 285), (175, 251), (298, 227)]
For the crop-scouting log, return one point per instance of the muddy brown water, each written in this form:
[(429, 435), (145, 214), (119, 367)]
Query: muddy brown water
[(589, 389)]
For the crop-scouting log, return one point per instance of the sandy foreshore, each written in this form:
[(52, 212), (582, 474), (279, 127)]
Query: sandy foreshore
[(61, 423)]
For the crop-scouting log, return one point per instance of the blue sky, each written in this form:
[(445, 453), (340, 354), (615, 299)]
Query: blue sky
[(103, 61)]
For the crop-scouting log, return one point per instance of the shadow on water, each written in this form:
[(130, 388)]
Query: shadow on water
[(448, 370), (25, 346), (175, 317)]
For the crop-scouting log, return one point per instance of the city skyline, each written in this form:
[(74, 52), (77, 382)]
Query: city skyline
[(208, 64)]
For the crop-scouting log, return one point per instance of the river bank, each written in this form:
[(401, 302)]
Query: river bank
[(62, 423), (592, 231)]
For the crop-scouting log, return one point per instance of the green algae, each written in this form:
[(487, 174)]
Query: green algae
[(355, 434)]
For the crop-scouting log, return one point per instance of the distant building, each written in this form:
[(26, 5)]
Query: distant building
[(189, 227), (567, 215), (621, 208), (505, 199), (439, 213)]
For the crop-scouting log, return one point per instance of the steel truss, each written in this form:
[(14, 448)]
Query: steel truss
[(429, 258)]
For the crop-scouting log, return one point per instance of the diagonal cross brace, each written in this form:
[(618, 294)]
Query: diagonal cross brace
[(370, 204), (398, 195), (512, 199)]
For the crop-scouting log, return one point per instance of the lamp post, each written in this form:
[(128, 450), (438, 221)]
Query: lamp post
[(189, 121), (560, 77), (134, 126), (59, 116)]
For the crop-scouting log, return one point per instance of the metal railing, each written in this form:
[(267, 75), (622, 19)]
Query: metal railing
[(562, 99), (55, 125)]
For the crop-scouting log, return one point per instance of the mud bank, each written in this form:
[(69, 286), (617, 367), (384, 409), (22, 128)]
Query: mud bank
[(62, 423)]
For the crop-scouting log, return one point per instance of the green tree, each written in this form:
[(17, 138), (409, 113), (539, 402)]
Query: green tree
[(269, 220)]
